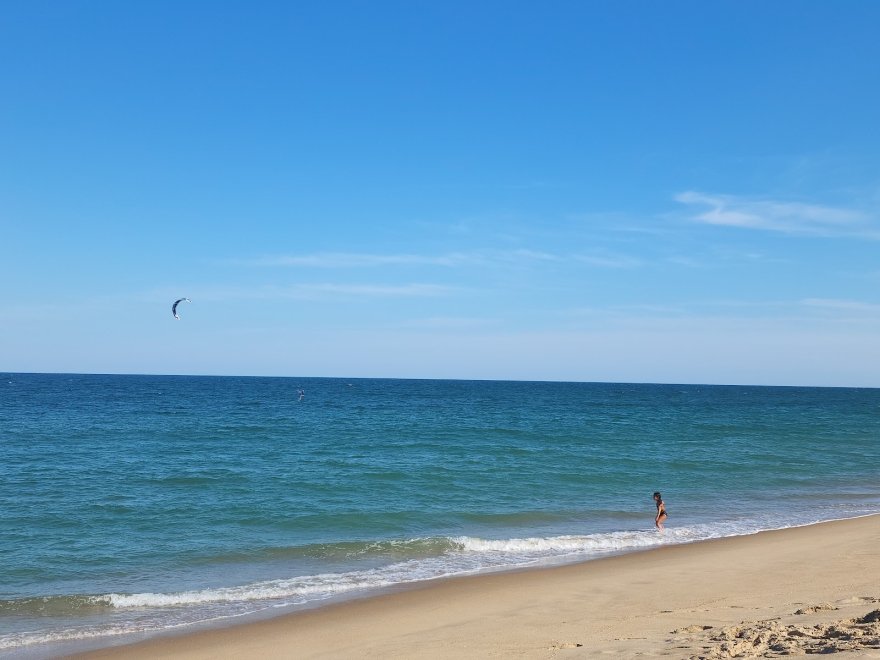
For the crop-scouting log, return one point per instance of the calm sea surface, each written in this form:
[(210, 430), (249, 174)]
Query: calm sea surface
[(134, 505)]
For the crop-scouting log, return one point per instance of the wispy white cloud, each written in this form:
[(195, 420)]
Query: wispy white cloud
[(609, 260), (339, 260), (449, 323), (686, 261), (842, 305), (780, 216), (487, 257), (806, 312), (721, 255), (355, 260), (308, 291), (635, 312), (515, 256), (374, 290)]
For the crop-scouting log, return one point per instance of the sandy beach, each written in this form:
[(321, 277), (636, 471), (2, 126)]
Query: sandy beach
[(806, 590)]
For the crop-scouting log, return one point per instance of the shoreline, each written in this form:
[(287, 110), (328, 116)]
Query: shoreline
[(646, 602)]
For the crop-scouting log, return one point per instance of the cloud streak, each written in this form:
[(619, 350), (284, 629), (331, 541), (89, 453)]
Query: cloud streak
[(485, 258), (356, 260), (842, 305), (310, 291), (778, 216), (609, 260), (373, 290), (449, 323), (782, 310)]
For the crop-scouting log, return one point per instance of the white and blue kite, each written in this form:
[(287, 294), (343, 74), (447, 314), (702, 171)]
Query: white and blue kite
[(176, 303)]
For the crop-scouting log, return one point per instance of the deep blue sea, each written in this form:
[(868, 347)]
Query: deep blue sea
[(136, 505)]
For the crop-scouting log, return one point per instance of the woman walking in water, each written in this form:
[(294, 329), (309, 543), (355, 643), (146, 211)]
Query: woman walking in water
[(661, 511)]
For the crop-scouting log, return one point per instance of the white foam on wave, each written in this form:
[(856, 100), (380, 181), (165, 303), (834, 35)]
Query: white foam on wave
[(465, 555), (320, 586), (542, 546)]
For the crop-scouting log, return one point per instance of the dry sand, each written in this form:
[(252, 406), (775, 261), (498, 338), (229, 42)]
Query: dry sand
[(799, 591)]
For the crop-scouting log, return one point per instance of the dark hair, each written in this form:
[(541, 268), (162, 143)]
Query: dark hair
[(657, 494)]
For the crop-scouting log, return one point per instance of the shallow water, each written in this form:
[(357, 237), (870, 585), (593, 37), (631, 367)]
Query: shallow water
[(137, 504)]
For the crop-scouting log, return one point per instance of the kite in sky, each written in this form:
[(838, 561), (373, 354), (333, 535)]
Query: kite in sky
[(176, 303)]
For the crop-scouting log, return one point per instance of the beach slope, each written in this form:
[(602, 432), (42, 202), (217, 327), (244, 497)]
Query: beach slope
[(812, 589)]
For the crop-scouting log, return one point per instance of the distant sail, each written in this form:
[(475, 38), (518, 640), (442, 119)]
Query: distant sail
[(176, 303)]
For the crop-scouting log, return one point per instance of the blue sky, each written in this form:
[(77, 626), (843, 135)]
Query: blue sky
[(590, 191)]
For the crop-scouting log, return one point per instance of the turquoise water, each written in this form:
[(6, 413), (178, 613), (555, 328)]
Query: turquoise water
[(134, 505)]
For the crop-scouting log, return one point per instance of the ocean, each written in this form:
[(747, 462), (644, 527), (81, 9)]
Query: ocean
[(135, 506)]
